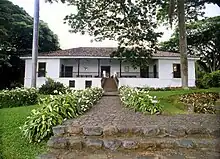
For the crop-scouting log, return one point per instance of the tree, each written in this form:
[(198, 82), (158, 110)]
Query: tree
[(193, 10), (203, 38), (130, 23), (182, 37), (16, 27)]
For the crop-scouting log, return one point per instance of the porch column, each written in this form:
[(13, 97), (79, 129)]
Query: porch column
[(78, 66), (120, 69), (98, 67)]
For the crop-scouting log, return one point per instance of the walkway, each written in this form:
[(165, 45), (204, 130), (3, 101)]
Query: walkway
[(110, 111), (112, 131)]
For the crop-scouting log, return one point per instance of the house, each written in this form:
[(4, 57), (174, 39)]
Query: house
[(85, 66)]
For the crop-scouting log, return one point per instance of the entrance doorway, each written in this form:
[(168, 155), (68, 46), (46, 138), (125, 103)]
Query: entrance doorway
[(107, 69)]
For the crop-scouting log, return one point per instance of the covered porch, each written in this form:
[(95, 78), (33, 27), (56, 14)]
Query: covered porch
[(97, 68)]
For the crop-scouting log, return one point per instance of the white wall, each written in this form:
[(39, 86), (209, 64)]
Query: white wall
[(80, 82), (165, 69), (52, 71)]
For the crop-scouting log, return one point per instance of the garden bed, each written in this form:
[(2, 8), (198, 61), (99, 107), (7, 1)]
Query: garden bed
[(169, 101), (54, 110), (200, 102)]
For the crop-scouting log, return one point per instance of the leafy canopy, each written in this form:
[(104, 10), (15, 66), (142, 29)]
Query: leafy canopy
[(193, 10), (16, 27), (129, 22), (203, 38)]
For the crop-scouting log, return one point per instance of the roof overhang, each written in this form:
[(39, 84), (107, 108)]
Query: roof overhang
[(102, 57)]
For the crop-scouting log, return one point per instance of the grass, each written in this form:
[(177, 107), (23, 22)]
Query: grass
[(12, 144), (168, 100)]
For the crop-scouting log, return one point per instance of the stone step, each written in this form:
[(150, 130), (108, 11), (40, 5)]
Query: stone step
[(137, 143), (114, 93), (101, 154), (147, 131)]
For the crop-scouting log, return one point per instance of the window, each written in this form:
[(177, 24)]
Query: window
[(68, 71), (144, 72), (72, 83), (41, 69), (176, 71), (126, 68), (88, 84), (155, 71), (62, 71)]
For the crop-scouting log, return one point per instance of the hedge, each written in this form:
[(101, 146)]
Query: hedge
[(18, 97)]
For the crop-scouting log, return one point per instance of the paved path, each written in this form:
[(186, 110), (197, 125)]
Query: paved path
[(166, 154), (109, 110)]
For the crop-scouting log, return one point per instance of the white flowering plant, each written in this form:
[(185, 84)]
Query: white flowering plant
[(55, 109), (140, 100), (18, 97)]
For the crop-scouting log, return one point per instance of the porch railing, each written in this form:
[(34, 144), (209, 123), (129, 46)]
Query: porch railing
[(80, 74), (119, 75), (138, 75)]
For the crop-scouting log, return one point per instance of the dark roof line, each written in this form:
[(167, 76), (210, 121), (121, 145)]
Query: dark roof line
[(98, 52)]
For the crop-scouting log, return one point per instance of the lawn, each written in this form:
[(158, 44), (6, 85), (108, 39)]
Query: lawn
[(12, 145), (171, 107)]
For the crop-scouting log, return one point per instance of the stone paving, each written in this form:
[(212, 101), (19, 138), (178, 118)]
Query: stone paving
[(163, 154), (109, 111), (112, 131)]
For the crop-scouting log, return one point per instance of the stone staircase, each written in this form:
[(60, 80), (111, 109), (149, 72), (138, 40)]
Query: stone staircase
[(110, 85), (112, 138)]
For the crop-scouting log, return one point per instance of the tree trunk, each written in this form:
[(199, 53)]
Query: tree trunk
[(182, 43)]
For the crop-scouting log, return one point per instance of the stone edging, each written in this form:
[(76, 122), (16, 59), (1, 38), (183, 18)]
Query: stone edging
[(148, 131)]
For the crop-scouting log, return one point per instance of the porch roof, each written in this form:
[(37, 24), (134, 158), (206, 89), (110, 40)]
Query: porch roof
[(97, 52)]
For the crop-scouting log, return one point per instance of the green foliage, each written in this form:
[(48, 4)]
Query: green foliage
[(211, 79), (16, 29), (203, 40), (52, 87), (140, 100), (55, 109), (18, 97), (193, 10), (131, 23), (201, 102)]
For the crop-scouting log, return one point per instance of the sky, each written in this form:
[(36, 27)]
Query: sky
[(53, 15)]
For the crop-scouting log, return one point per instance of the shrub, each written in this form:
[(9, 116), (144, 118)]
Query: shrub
[(140, 100), (18, 97), (55, 109), (201, 102), (211, 79), (52, 87), (199, 83)]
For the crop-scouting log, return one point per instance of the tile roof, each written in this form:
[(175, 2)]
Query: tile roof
[(97, 52)]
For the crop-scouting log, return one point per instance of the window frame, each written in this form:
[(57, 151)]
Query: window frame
[(74, 83), (65, 68), (86, 86), (42, 71), (178, 75)]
